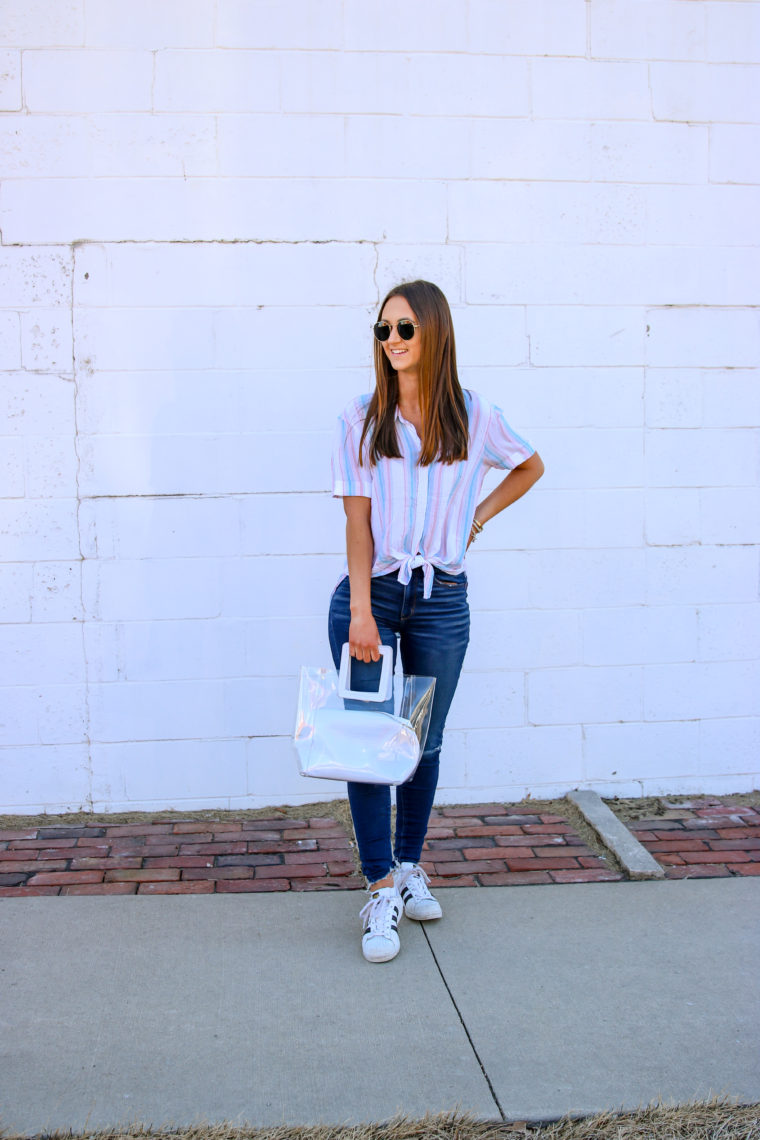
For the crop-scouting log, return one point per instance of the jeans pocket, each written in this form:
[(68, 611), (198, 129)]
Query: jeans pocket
[(451, 581)]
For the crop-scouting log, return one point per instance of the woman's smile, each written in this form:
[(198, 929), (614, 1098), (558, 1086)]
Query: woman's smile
[(404, 354)]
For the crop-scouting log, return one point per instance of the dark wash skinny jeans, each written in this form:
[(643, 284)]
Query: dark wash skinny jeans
[(433, 634)]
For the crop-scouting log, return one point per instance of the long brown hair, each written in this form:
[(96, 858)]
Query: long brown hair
[(444, 412)]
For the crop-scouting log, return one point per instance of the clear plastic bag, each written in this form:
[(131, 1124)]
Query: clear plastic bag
[(370, 735)]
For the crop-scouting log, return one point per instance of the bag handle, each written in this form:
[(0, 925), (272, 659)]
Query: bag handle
[(386, 677)]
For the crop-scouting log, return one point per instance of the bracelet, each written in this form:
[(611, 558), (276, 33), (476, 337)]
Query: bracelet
[(475, 530)]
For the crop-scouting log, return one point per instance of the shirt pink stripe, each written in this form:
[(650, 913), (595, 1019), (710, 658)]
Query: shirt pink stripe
[(449, 500)]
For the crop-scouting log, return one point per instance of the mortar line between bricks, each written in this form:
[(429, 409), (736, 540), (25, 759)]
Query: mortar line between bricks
[(491, 1089)]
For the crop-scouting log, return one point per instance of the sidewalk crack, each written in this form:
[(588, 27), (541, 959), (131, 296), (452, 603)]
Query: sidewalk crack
[(491, 1089)]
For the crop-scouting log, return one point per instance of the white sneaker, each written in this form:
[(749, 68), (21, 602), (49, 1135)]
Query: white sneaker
[(380, 941), (411, 883)]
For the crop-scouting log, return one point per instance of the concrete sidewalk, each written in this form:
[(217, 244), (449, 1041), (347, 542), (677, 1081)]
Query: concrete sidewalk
[(523, 1003)]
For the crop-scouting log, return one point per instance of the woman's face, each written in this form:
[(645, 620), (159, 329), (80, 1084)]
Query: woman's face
[(404, 355)]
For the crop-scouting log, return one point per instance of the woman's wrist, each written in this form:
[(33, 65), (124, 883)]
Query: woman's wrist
[(475, 530)]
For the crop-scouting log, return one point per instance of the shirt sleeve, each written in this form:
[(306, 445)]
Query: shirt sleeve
[(348, 478), (504, 448)]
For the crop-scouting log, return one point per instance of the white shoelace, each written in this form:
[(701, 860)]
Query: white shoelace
[(378, 915), (415, 879)]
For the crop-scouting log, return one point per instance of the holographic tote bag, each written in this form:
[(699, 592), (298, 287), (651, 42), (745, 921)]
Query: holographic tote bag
[(372, 737)]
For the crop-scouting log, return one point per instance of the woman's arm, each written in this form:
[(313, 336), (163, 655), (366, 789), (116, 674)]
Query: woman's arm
[(363, 635), (519, 480)]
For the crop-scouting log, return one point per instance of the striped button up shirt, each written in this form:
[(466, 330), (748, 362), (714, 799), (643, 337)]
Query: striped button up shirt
[(422, 516)]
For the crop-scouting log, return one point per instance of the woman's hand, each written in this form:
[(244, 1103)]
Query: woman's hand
[(363, 638)]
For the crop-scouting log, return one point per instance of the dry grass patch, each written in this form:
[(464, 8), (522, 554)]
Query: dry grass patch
[(653, 807), (336, 809), (717, 1119)]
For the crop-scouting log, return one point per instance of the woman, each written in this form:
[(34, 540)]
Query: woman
[(409, 463)]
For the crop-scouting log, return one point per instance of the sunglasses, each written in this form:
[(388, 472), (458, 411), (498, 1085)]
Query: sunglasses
[(404, 327)]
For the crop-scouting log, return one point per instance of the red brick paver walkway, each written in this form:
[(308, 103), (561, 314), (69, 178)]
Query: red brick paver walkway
[(481, 845), (477, 845), (178, 858), (703, 839)]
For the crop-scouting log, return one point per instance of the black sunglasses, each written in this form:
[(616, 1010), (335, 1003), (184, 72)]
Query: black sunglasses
[(405, 328)]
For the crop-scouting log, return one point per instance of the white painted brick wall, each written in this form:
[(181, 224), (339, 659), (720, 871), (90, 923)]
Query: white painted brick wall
[(499, 699), (46, 340), (710, 338), (221, 276), (172, 23), (545, 27), (590, 89), (599, 695), (366, 141), (728, 745), (734, 153), (520, 150), (647, 29), (672, 516), (105, 146), (36, 530), (540, 212), (702, 215), (581, 578), (10, 341), (222, 209), (642, 152), (686, 458), (269, 24), (528, 638), (225, 80), (731, 398), (277, 146), (37, 23), (701, 574), (730, 515), (673, 398), (202, 203), (78, 81), (300, 586), (67, 784), (704, 92), (639, 634), (605, 275), (577, 335), (130, 773), (729, 632), (505, 763), (10, 81), (696, 690), (12, 465), (151, 589), (42, 714), (667, 751), (16, 586), (34, 277), (56, 591), (41, 654), (593, 458), (733, 33)]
